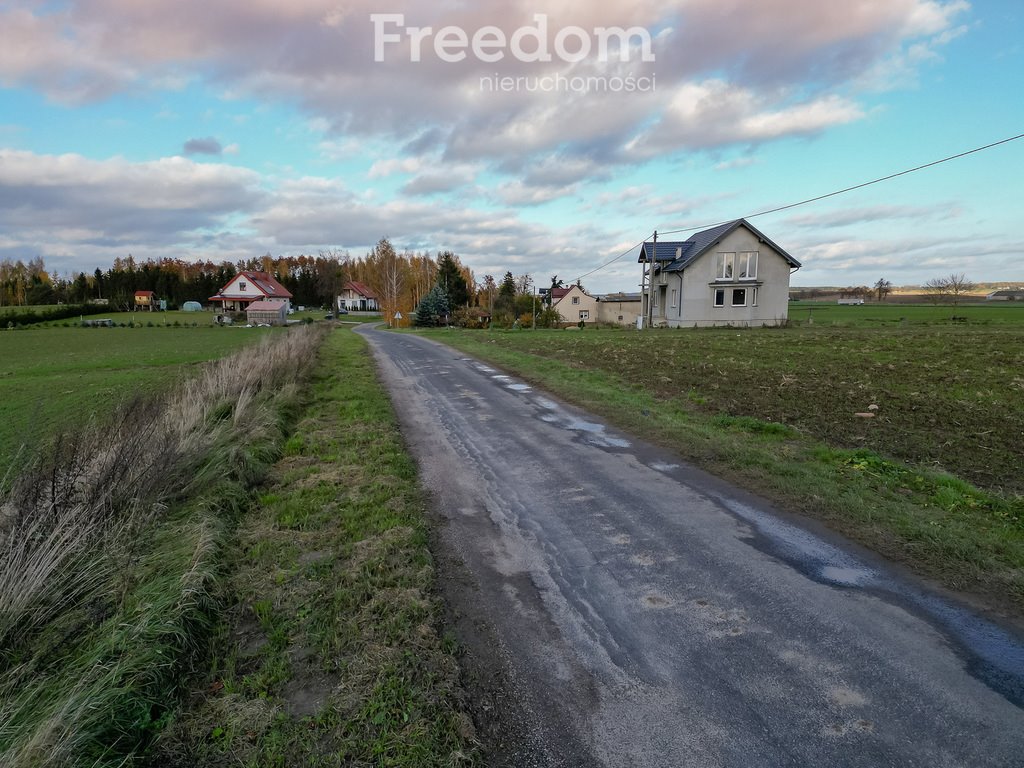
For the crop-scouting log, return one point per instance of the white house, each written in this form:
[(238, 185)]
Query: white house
[(246, 287), (731, 274), (358, 297), (574, 304)]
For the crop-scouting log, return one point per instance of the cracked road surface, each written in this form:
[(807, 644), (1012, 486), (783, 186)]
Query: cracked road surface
[(647, 614)]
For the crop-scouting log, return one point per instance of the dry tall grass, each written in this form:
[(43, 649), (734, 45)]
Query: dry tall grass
[(102, 578)]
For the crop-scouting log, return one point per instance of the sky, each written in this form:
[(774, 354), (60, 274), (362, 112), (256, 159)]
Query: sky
[(227, 129)]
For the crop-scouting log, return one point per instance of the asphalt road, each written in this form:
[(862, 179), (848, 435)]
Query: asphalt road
[(646, 614)]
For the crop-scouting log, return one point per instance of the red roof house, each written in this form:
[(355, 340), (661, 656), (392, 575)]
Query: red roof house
[(246, 287), (358, 297)]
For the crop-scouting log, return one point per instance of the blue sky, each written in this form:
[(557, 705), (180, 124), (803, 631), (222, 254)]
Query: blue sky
[(233, 129)]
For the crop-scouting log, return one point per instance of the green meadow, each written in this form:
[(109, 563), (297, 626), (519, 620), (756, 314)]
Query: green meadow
[(55, 379)]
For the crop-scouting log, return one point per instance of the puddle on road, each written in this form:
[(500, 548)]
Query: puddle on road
[(991, 654), (661, 466), (848, 577)]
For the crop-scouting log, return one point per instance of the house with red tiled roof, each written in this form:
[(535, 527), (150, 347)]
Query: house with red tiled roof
[(246, 287), (558, 293), (358, 297)]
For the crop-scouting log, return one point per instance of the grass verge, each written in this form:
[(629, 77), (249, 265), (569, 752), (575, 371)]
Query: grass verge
[(965, 537), (332, 655), (110, 549)]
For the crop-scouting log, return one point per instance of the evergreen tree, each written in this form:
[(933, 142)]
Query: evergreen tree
[(432, 308), (505, 304), (451, 279)]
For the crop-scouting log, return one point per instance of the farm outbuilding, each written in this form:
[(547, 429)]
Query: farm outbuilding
[(267, 312), (145, 300)]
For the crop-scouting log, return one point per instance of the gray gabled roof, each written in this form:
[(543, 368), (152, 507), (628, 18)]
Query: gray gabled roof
[(680, 254)]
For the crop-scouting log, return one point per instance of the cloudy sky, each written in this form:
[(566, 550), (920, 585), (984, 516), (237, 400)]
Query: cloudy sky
[(232, 128)]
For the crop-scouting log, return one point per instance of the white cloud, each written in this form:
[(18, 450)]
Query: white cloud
[(71, 200), (781, 63), (874, 213)]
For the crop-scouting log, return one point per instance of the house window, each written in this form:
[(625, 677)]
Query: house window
[(739, 297), (575, 299), (241, 285), (726, 262), (719, 297), (748, 265), (620, 318), (753, 297), (584, 314), (674, 294)]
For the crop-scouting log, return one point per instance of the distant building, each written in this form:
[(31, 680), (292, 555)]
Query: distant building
[(246, 287), (1006, 294), (574, 305), (358, 297), (267, 312), (619, 308), (145, 300)]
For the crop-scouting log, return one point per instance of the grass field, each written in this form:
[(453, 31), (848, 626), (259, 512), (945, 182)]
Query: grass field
[(932, 479), (58, 378), (885, 315)]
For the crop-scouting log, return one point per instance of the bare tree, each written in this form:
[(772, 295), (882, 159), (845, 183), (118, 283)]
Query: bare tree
[(951, 289), (936, 289), (959, 286), (523, 283), (883, 287), (488, 288)]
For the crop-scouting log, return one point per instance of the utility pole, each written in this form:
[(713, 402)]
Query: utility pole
[(643, 285), (535, 306), (650, 281)]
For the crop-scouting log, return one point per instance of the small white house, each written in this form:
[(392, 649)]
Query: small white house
[(731, 274)]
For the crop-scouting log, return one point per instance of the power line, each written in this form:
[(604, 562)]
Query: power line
[(819, 197), (856, 186), (612, 261)]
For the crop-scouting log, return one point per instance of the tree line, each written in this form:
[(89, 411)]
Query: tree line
[(400, 279)]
